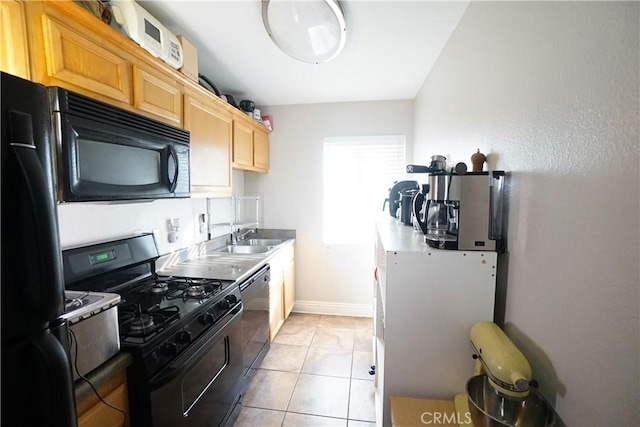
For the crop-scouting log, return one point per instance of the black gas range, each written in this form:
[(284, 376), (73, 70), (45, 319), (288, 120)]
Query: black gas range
[(184, 333)]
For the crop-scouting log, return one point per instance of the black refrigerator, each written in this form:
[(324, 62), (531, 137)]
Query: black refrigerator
[(37, 386)]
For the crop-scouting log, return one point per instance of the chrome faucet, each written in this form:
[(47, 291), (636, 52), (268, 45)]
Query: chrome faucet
[(236, 236)]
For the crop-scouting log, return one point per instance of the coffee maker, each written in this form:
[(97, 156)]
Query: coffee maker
[(461, 211)]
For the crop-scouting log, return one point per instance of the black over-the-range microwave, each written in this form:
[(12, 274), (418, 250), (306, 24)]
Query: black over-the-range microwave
[(106, 153)]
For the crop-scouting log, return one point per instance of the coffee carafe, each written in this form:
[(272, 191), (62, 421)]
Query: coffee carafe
[(462, 211)]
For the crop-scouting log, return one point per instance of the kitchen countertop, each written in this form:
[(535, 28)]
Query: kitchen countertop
[(398, 237), (203, 261)]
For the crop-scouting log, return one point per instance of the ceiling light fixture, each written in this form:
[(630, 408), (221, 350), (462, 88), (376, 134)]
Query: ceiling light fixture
[(312, 31)]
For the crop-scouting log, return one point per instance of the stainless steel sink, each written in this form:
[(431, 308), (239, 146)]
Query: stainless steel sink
[(242, 249), (260, 242)]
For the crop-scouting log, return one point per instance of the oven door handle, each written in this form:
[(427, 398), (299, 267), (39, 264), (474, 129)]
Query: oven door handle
[(185, 361)]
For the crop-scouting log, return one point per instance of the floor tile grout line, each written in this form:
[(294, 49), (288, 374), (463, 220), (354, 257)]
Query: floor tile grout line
[(298, 377), (354, 328)]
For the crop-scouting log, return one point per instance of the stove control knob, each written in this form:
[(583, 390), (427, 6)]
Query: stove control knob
[(170, 349), (183, 337), (224, 304), (232, 299), (207, 319)]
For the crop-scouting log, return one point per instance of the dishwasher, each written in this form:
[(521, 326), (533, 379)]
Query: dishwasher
[(254, 293)]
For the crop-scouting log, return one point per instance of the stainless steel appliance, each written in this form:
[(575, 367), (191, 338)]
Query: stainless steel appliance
[(184, 333), (93, 324), (462, 211), (255, 319), (106, 153), (37, 387), (394, 196), (406, 205), (438, 164)]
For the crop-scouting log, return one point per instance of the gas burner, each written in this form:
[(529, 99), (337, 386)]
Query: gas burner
[(199, 290), (159, 287), (141, 324), (195, 291)]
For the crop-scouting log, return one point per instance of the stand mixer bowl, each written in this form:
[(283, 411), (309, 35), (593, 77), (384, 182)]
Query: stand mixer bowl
[(489, 408)]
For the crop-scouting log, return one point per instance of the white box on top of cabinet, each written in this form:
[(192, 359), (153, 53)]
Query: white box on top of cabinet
[(426, 302)]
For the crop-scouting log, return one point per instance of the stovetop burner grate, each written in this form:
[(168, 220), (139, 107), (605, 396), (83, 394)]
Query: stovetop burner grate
[(141, 324), (178, 287)]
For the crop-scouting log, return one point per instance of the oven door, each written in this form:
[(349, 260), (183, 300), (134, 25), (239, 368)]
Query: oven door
[(202, 386)]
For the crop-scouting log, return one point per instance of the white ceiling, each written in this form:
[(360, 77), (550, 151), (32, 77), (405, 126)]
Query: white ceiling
[(391, 46)]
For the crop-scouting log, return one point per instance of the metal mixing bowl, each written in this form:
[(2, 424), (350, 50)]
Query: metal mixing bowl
[(492, 409)]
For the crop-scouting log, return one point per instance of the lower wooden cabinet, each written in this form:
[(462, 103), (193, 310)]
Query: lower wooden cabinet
[(276, 303), (281, 288), (289, 282), (94, 413)]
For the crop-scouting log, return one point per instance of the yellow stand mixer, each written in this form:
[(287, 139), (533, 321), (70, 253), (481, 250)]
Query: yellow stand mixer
[(502, 393)]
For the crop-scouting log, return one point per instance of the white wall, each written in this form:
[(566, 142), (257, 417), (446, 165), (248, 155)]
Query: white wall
[(550, 90), (86, 223), (332, 279)]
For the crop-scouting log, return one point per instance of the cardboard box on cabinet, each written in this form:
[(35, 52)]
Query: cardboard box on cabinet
[(190, 59)]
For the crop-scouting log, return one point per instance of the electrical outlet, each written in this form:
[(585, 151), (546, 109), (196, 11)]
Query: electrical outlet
[(202, 220), (173, 225)]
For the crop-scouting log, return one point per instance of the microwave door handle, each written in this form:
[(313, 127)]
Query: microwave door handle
[(174, 182)]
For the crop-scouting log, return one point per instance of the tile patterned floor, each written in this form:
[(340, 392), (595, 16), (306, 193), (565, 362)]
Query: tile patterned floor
[(315, 374)]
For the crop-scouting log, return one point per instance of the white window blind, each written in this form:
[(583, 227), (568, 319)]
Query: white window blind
[(358, 172)]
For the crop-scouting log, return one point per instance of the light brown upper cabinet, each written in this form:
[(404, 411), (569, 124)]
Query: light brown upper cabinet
[(14, 48), (157, 94), (261, 150), (58, 43), (250, 146), (242, 145), (210, 153), (65, 53)]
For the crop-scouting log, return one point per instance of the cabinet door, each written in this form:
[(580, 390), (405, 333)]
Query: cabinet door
[(158, 94), (261, 151), (276, 300), (276, 303), (289, 277), (93, 413), (14, 52), (210, 127), (72, 59), (242, 145)]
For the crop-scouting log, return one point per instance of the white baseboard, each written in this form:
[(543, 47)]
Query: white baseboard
[(333, 308)]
